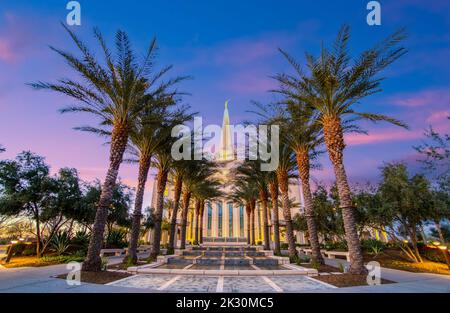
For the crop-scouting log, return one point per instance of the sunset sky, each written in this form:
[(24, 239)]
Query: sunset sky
[(230, 48)]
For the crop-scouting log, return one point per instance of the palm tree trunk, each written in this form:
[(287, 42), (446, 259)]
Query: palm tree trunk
[(119, 139), (161, 181), (303, 169), (284, 188), (263, 198), (144, 166), (186, 199), (173, 220), (249, 224), (197, 214), (202, 211), (252, 218), (273, 188), (334, 140)]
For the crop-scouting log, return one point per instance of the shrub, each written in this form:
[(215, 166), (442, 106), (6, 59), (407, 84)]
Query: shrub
[(29, 251), (60, 242), (336, 245), (116, 239), (373, 246), (79, 242), (315, 265), (61, 259), (284, 246), (433, 254), (19, 248)]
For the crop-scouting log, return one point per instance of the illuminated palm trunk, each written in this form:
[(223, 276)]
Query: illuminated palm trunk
[(186, 199), (176, 204), (273, 188), (264, 198), (303, 170), (252, 218), (161, 181), (284, 188), (202, 211), (119, 139), (334, 140), (197, 214), (248, 210), (144, 166)]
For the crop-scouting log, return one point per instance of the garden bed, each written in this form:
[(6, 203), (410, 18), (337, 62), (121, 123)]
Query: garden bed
[(101, 278), (347, 280), (393, 259), (33, 261)]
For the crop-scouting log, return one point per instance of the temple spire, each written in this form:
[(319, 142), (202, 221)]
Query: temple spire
[(226, 152)]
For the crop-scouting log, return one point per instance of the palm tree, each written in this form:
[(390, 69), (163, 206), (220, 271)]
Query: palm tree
[(274, 192), (302, 132), (162, 162), (148, 133), (334, 86), (178, 170), (206, 190), (2, 149), (198, 173), (251, 172), (113, 93), (284, 173), (243, 193)]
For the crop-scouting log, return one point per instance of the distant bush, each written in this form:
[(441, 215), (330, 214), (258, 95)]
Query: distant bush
[(284, 246)]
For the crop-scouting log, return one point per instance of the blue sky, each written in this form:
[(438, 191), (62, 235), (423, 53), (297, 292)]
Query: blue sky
[(230, 48)]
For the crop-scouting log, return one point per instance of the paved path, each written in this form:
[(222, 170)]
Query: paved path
[(406, 281), (40, 280)]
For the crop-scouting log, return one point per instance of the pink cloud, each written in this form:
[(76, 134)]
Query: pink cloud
[(249, 81), (430, 97), (16, 38), (385, 135), (439, 117)]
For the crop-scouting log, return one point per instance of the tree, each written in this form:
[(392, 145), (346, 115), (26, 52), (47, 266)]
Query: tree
[(118, 212), (406, 202), (2, 149), (274, 192), (149, 132), (285, 171), (437, 157), (335, 85), (113, 93), (243, 192), (27, 188), (251, 171)]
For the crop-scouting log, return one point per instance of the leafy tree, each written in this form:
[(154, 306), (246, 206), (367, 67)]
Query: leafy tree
[(406, 203), (437, 157), (113, 92), (27, 188), (118, 212)]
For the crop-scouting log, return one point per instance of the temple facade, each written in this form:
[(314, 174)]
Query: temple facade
[(224, 220)]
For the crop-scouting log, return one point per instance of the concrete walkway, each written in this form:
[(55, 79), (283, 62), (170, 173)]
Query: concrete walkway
[(406, 281), (39, 279)]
